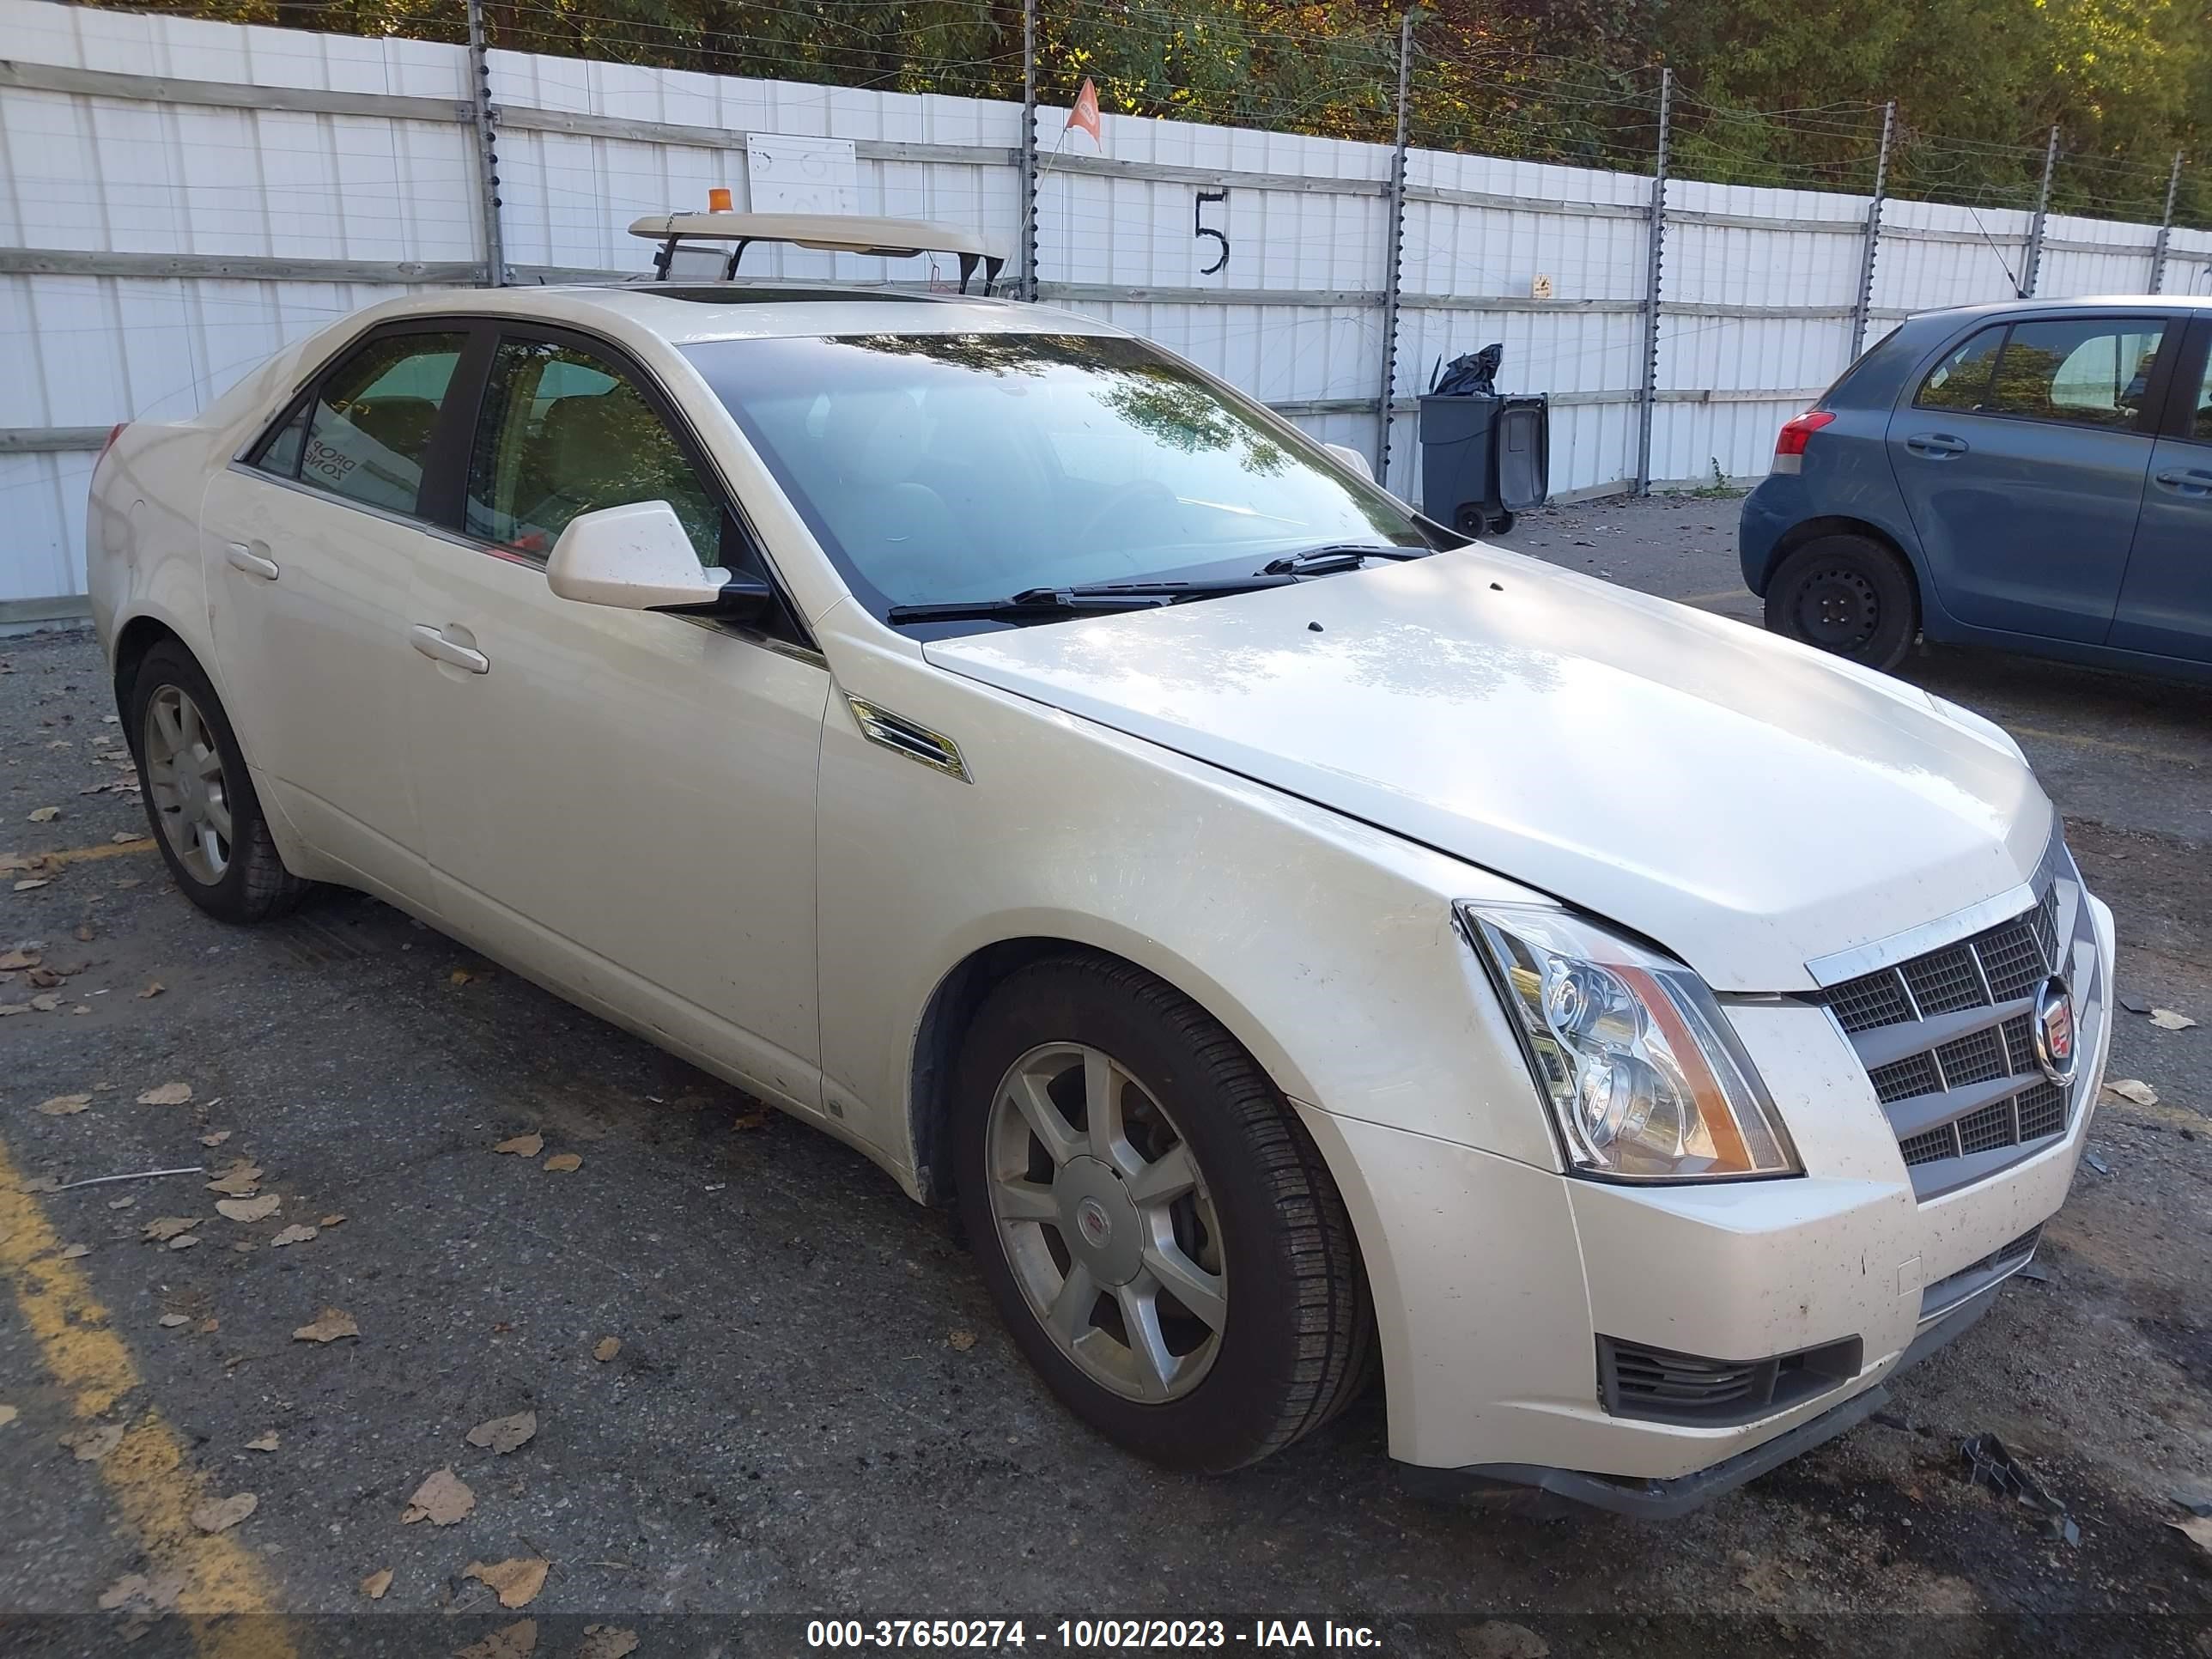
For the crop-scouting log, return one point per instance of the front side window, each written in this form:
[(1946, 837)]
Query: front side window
[(2084, 371), (941, 468), (1961, 381), (564, 432), (370, 421)]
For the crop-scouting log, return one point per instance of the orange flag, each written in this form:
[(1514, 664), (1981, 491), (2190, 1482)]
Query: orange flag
[(1085, 112)]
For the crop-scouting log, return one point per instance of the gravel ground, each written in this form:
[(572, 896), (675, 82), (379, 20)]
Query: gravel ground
[(812, 1410)]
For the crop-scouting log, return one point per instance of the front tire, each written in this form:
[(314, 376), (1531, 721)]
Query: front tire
[(1160, 1235), (199, 800), (1848, 595)]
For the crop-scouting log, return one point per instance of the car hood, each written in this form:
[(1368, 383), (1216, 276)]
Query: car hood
[(1746, 802)]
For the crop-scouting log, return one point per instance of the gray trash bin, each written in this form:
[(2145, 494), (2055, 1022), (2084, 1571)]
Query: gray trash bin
[(1483, 459)]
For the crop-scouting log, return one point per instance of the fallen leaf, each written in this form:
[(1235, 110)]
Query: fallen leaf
[(121, 1203), (64, 1105), (516, 1583), (2166, 1020), (81, 1008), (748, 1121), (140, 1593), (249, 1209), (11, 961), (504, 1434), (2197, 1529), (265, 1441), (516, 1641), (215, 1138), (562, 1163), (221, 1515), (527, 1145), (171, 1320), (169, 1226), (27, 885), (125, 837), (241, 1180), (169, 1094), (8, 1414), (442, 1500), (295, 1234), (45, 814), (376, 1583), (154, 989), (44, 978), (92, 1445), (84, 934), (607, 1642), (606, 1348), (963, 1340), (7, 1008), (330, 1221), (45, 1004), (74, 1251), (2135, 1088), (467, 976), (187, 1242), (41, 1184), (329, 1326)]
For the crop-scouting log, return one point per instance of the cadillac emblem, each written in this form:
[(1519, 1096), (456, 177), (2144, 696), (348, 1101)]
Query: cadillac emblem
[(2052, 1030)]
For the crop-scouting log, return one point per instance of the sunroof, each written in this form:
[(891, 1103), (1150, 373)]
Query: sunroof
[(748, 294)]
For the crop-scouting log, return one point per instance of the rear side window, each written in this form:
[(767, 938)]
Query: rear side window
[(1961, 381), (565, 432), (2200, 421), (2082, 371), (371, 419)]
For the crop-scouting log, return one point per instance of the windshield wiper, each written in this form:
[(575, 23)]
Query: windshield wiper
[(1085, 599), (1337, 555)]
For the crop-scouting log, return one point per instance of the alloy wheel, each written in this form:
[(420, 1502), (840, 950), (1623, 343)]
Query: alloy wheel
[(186, 778), (1104, 1217)]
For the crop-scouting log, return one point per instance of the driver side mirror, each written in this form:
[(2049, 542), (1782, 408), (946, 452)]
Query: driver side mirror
[(1352, 459), (637, 557)]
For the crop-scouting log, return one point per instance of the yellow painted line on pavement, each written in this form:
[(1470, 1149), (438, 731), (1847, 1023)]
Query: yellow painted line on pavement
[(1715, 598), (106, 849), (2083, 740), (226, 1596)]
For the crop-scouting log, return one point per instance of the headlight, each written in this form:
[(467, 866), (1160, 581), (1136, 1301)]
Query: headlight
[(1629, 1051)]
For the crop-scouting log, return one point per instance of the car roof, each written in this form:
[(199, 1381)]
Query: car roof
[(2136, 304), (687, 313)]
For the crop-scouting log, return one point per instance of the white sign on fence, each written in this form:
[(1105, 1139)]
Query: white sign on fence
[(791, 175)]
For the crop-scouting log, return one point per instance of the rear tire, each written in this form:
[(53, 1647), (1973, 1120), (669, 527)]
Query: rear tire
[(1276, 1335), (1848, 595), (200, 802)]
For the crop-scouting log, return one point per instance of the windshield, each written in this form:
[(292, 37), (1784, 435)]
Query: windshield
[(947, 467)]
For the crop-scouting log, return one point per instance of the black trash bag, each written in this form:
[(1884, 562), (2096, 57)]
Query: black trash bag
[(1474, 376)]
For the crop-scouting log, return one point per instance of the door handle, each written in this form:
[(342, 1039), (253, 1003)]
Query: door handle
[(240, 557), (2193, 481), (437, 647), (1936, 445)]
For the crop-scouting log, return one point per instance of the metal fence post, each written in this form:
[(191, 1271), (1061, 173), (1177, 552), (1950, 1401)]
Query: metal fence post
[(1025, 278), (2164, 227), (486, 129), (2032, 266), (1863, 311), (1395, 235), (1653, 243)]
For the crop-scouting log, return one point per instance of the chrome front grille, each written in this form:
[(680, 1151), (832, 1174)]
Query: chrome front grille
[(1947, 1039)]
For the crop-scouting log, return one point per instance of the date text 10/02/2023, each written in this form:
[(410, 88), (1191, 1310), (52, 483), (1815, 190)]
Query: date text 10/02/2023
[(992, 1634)]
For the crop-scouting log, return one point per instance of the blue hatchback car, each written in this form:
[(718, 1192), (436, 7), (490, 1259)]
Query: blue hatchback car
[(2035, 476)]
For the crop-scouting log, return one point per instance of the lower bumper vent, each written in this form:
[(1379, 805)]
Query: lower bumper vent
[(1659, 1386)]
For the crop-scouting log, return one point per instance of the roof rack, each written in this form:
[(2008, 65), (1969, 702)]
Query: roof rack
[(681, 233)]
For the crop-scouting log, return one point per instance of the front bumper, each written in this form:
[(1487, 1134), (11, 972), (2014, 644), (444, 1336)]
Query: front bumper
[(1493, 1280)]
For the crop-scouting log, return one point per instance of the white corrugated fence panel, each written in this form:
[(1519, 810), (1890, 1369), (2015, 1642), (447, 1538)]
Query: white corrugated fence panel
[(2121, 266)]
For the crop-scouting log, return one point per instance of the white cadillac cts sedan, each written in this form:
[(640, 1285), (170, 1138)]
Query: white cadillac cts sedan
[(1301, 943)]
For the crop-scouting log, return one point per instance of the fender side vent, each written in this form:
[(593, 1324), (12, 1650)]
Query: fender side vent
[(904, 737)]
